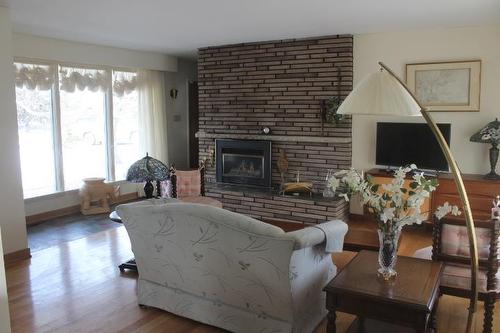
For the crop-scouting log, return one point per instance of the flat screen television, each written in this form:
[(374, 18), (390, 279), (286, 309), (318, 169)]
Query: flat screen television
[(400, 144)]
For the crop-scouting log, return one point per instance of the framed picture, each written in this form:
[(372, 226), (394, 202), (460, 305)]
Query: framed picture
[(446, 86)]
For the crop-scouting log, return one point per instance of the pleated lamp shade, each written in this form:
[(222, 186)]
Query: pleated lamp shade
[(380, 94)]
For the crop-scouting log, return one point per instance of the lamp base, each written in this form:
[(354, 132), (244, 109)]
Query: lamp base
[(148, 189), (492, 176)]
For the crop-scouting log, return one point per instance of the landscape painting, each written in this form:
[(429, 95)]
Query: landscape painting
[(451, 86)]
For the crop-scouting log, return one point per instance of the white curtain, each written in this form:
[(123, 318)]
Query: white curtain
[(152, 114)]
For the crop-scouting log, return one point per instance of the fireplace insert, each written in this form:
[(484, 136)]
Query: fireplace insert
[(243, 162)]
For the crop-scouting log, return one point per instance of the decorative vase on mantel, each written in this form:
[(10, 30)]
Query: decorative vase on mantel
[(388, 235)]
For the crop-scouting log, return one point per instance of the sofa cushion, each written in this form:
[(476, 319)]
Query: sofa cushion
[(456, 275), (455, 241)]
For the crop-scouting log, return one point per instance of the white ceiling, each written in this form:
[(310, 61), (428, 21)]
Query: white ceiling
[(180, 27)]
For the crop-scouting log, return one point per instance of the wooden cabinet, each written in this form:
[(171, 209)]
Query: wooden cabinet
[(384, 177), (480, 191)]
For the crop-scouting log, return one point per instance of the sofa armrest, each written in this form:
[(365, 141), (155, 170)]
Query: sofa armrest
[(331, 233)]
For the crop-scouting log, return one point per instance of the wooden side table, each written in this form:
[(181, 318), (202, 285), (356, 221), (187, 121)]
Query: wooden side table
[(406, 303)]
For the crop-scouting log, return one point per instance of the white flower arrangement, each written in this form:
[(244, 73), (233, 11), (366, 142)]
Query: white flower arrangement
[(393, 204)]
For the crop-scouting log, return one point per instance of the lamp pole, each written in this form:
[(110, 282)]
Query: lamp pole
[(457, 176)]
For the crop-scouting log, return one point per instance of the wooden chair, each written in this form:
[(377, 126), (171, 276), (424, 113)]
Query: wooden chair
[(451, 246), (189, 186)]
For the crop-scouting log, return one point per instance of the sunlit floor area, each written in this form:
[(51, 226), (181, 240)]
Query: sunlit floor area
[(65, 229), (76, 287)]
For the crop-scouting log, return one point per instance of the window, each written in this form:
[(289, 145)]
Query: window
[(35, 122), (126, 123), (75, 123), (82, 136)]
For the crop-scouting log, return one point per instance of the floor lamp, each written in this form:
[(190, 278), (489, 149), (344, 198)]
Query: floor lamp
[(383, 93)]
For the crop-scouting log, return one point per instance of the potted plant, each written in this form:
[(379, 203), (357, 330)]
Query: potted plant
[(393, 206)]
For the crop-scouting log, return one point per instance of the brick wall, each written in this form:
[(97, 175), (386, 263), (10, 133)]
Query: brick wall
[(278, 84)]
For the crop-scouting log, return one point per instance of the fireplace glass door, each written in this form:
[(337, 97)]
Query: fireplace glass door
[(243, 162)]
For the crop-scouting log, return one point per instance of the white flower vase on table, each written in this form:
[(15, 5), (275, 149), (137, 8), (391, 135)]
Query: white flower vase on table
[(394, 205)]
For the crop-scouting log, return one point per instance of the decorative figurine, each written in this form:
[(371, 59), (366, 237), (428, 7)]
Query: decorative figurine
[(298, 187), (94, 194), (495, 211)]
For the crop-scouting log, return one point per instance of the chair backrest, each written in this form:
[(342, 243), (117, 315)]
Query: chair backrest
[(187, 183), (213, 253), (451, 243)]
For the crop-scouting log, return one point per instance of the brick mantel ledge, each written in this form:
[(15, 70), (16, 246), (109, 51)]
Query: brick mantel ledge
[(286, 138)]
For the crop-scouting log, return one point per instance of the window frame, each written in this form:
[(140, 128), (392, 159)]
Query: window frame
[(58, 161)]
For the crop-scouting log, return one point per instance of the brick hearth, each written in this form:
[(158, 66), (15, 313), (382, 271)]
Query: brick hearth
[(278, 84), (262, 204)]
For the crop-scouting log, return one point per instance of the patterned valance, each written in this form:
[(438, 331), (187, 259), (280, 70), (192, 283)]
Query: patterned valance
[(34, 76), (124, 82), (38, 76), (72, 78)]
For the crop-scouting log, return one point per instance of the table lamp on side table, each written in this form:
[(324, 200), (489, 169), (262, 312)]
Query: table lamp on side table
[(148, 169), (490, 134)]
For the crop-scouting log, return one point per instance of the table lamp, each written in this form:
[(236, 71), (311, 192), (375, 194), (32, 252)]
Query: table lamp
[(490, 134), (148, 169), (383, 93)]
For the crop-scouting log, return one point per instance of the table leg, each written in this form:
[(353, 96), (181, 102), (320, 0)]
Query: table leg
[(361, 324), (128, 265), (433, 321), (331, 327)]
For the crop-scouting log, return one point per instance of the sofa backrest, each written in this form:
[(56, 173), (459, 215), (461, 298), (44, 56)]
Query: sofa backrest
[(212, 253)]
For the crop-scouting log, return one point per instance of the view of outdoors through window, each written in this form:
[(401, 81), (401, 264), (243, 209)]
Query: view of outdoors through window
[(34, 117), (83, 136), (83, 129), (126, 136)]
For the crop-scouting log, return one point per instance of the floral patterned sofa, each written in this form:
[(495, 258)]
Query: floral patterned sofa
[(229, 270)]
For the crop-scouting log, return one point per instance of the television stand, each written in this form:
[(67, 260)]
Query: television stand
[(391, 170)]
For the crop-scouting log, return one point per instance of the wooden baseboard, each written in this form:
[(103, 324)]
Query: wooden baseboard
[(13, 257), (45, 216)]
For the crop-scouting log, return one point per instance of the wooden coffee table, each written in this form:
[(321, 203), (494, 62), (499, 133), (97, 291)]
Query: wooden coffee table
[(407, 303)]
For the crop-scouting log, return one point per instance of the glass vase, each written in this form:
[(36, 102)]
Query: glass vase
[(327, 192), (388, 236)]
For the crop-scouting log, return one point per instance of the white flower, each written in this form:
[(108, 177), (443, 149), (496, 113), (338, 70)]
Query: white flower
[(442, 210), (455, 211), (333, 183), (393, 203), (387, 214)]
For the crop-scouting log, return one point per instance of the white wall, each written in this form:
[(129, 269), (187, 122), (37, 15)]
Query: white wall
[(4, 300), (66, 51), (399, 48), (12, 215), (178, 113)]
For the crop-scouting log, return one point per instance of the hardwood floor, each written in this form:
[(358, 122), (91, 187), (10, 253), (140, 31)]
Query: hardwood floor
[(77, 287)]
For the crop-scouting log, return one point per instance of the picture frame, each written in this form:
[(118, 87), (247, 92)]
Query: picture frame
[(446, 86)]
